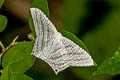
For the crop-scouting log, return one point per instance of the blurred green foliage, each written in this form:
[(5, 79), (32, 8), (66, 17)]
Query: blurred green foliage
[(1, 3), (74, 12), (3, 22), (103, 41), (3, 19)]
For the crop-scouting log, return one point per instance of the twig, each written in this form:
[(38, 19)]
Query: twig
[(10, 45), (2, 46), (14, 41)]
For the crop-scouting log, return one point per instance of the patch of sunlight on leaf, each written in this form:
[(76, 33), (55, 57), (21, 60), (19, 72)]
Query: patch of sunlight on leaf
[(3, 22), (19, 56)]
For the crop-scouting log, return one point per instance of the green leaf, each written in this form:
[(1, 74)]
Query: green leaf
[(72, 37), (117, 53), (42, 5), (31, 36), (7, 73), (1, 3), (19, 56), (110, 65), (74, 14), (18, 76), (3, 23), (31, 25)]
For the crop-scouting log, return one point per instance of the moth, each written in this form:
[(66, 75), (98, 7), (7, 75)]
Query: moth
[(53, 48)]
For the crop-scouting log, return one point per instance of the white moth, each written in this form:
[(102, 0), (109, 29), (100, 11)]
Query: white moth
[(50, 46)]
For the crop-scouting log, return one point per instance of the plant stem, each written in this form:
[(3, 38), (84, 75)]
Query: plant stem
[(10, 45), (2, 46)]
